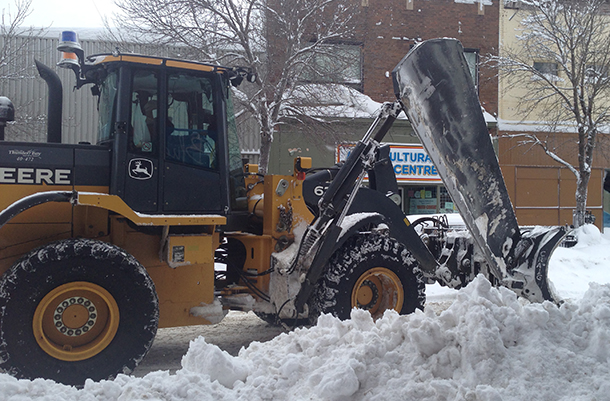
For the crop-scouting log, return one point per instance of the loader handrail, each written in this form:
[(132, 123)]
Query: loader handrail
[(28, 202), (108, 202)]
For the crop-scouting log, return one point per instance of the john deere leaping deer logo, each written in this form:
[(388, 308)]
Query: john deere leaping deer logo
[(141, 169)]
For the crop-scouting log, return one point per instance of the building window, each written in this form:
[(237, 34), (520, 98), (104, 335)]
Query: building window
[(547, 69), (334, 63), (472, 58), (513, 4), (446, 204), (421, 200)]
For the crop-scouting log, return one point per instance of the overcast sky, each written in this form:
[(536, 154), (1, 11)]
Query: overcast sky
[(67, 13)]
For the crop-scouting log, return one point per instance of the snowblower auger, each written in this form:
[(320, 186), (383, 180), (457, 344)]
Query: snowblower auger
[(435, 86)]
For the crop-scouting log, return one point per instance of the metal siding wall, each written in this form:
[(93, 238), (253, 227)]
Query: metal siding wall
[(21, 83), (28, 93), (248, 131)]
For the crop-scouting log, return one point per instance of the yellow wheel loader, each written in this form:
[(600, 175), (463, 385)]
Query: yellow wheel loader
[(159, 224)]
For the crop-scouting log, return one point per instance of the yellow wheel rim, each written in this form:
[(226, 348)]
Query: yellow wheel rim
[(378, 290), (76, 321)]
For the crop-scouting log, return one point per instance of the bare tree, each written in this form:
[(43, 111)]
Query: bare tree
[(285, 43), (15, 64), (10, 28), (570, 89), (14, 37)]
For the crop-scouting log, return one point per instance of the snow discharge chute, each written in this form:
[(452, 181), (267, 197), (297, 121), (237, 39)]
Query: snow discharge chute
[(435, 86)]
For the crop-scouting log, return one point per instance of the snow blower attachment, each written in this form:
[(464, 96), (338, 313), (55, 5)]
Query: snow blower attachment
[(434, 84), (434, 87)]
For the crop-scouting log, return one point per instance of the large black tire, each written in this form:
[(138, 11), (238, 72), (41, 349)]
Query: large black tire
[(372, 272), (76, 309)]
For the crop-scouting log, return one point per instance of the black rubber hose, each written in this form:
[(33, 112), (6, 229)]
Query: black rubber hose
[(33, 200)]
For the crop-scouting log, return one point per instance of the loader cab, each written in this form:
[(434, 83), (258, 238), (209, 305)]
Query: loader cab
[(171, 128)]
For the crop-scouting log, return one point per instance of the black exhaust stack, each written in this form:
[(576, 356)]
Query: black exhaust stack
[(54, 113)]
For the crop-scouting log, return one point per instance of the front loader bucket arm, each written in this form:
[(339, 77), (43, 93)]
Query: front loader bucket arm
[(435, 86)]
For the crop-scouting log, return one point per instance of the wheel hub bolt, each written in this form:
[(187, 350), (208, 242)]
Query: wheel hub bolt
[(76, 302)]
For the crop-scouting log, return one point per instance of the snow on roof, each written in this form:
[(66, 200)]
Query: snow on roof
[(485, 2), (544, 126), (333, 100), (489, 119), (343, 101)]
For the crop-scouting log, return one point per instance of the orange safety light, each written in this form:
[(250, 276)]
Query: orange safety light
[(68, 60)]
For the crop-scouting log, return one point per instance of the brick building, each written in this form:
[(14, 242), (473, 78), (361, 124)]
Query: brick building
[(542, 192), (385, 32), (390, 27)]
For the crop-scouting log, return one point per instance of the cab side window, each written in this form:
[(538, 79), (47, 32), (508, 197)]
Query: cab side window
[(191, 133), (144, 114)]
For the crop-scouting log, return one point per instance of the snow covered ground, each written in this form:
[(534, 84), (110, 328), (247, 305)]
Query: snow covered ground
[(486, 345)]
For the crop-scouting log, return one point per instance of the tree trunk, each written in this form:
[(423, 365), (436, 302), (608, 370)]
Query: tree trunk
[(582, 185), (266, 140)]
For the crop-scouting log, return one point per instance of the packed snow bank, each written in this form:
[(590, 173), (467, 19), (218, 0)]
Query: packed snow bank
[(488, 345)]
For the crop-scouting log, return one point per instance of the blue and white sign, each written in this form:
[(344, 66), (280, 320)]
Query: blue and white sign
[(411, 162)]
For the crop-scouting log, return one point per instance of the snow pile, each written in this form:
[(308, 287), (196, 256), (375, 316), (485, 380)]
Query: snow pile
[(572, 269), (487, 345)]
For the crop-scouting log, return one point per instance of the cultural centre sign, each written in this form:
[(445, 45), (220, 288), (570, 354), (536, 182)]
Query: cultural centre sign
[(410, 161)]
